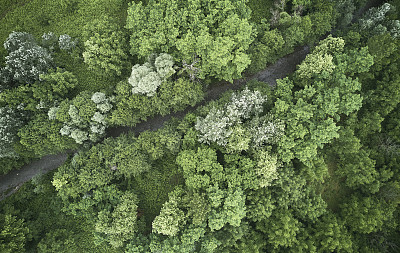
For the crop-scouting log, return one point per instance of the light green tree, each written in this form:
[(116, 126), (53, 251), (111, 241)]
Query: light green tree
[(217, 32), (119, 225), (171, 218), (105, 47), (13, 234)]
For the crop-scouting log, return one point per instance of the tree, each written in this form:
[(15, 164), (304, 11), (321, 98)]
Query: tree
[(219, 33), (105, 47), (171, 218), (26, 60), (330, 234), (128, 159), (170, 95), (354, 162), (367, 214), (41, 136), (200, 167), (267, 167), (312, 114), (322, 58), (84, 117), (265, 49), (345, 10), (50, 90), (65, 42), (119, 225), (13, 234), (282, 229), (236, 125), (146, 78), (11, 121), (84, 184), (374, 21)]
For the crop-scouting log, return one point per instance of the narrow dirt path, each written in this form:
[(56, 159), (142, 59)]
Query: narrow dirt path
[(12, 181), (284, 66)]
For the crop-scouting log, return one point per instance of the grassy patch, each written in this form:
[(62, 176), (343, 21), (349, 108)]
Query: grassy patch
[(60, 17), (9, 5), (153, 187), (333, 190)]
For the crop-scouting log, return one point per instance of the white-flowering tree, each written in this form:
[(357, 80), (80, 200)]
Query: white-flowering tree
[(83, 118), (17, 39), (375, 21), (49, 40), (26, 60), (65, 42), (214, 127), (146, 78), (237, 125)]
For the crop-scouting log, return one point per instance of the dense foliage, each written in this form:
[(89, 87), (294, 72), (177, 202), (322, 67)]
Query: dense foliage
[(311, 164)]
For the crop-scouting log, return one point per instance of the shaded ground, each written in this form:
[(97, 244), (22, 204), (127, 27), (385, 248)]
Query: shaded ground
[(12, 181)]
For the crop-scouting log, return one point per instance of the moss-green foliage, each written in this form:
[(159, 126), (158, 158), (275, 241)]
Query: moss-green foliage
[(39, 16), (9, 5)]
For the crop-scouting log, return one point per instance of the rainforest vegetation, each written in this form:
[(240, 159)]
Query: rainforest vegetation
[(311, 164)]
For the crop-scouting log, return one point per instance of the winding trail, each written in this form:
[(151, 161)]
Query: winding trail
[(286, 65), (11, 182)]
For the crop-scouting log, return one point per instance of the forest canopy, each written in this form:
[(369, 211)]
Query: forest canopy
[(175, 141)]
